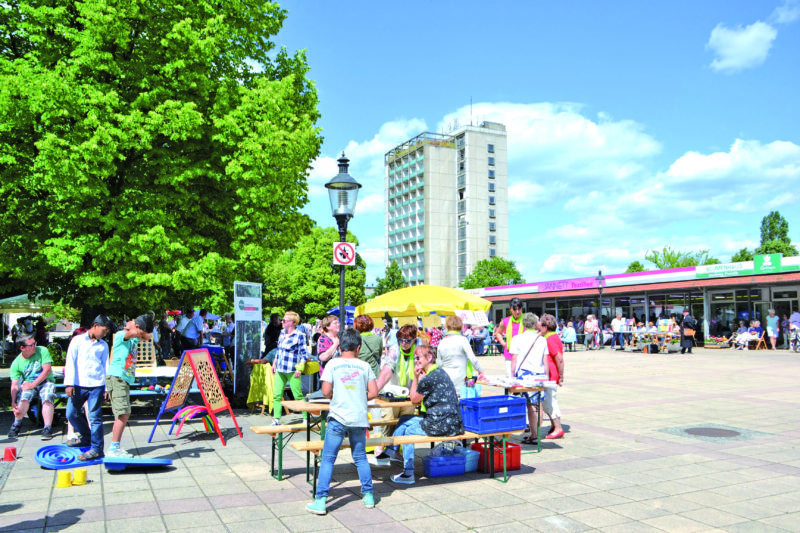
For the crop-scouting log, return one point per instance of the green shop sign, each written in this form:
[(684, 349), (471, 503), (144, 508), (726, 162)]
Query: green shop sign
[(762, 264)]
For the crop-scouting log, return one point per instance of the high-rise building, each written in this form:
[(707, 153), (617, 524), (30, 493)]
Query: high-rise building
[(447, 203)]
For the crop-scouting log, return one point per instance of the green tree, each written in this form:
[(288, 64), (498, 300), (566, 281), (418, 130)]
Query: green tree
[(775, 236), (143, 164), (774, 227), (670, 258), (636, 266), (493, 272), (742, 255), (392, 280), (305, 280)]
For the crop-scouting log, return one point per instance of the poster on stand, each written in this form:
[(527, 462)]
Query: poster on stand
[(247, 309)]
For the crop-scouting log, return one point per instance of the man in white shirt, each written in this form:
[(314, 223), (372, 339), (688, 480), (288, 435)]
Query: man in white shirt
[(616, 327), (191, 330), (84, 379)]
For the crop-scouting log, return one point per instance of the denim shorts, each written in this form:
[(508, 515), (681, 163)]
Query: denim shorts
[(46, 391)]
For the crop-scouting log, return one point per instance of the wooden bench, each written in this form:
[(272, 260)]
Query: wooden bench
[(316, 446), (290, 430)]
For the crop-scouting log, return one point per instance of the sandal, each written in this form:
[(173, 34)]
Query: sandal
[(91, 455), (530, 440)]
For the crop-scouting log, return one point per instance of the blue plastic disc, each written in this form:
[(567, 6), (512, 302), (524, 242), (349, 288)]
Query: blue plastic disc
[(61, 456), (121, 463)]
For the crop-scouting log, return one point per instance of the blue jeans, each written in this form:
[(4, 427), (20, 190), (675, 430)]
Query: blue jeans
[(334, 435), (93, 398), (408, 425), (617, 339)]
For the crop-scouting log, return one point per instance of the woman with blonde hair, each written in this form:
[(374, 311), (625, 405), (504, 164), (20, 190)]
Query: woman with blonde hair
[(291, 354), (455, 355)]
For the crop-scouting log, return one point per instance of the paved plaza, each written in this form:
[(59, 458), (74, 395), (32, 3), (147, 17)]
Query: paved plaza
[(707, 442)]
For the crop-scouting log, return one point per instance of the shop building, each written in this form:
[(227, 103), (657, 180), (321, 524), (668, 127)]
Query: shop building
[(716, 295)]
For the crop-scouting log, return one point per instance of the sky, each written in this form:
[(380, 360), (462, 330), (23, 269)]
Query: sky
[(631, 125)]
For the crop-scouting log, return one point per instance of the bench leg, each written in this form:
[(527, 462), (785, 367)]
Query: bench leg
[(316, 473)]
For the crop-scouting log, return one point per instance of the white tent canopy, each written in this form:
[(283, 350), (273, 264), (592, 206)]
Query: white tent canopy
[(23, 304)]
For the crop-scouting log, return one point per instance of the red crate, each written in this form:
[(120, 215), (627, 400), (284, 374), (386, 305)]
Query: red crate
[(512, 456)]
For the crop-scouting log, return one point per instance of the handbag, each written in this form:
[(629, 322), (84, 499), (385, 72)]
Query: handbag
[(688, 332)]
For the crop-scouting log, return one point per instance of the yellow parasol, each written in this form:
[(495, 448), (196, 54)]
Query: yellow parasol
[(421, 300)]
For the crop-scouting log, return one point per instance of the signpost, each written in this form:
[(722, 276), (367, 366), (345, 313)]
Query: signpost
[(344, 253)]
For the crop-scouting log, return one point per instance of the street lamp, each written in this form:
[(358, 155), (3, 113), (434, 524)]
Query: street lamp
[(343, 193), (600, 281)]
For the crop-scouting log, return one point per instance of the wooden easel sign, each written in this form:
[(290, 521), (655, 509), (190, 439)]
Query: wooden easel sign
[(197, 365)]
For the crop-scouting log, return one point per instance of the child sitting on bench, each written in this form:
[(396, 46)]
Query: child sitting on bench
[(349, 383)]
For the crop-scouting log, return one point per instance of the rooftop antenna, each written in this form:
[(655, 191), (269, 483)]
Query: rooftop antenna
[(470, 111)]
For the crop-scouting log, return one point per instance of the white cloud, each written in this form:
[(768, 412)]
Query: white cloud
[(787, 12), (525, 194), (370, 204), (740, 48)]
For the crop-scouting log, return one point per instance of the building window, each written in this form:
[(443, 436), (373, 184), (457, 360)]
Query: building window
[(492, 239), (492, 226), (462, 273), (491, 174), (491, 187), (491, 200), (491, 213), (461, 193), (461, 154), (462, 246), (462, 232), (490, 148), (462, 207), (492, 252), (462, 260), (491, 161)]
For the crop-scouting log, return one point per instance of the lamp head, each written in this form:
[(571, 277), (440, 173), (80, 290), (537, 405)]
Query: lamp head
[(343, 191)]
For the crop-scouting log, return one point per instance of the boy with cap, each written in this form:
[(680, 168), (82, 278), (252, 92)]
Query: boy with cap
[(121, 375)]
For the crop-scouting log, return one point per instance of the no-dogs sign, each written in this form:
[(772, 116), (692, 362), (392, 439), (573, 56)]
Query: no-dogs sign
[(344, 253)]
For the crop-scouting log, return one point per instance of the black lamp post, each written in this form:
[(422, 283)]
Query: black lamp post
[(600, 280), (343, 193)]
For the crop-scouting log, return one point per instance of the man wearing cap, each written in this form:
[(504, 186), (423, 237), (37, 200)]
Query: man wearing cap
[(121, 375), (84, 379), (508, 329)]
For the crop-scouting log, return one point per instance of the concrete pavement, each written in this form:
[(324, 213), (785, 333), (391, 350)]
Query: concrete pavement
[(707, 442)]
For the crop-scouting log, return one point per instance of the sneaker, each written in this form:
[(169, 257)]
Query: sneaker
[(317, 506), (397, 458), (378, 461), (404, 479), (118, 453), (47, 433), (276, 421), (369, 500), (13, 432)]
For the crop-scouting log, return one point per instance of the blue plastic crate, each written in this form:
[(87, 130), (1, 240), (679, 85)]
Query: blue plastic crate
[(493, 414), (472, 458), (444, 465)]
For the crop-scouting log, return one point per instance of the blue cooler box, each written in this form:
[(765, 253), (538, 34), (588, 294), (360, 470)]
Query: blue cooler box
[(472, 458), (493, 414), (444, 465)]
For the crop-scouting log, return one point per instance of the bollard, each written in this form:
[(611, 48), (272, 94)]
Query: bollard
[(80, 477), (10, 453), (64, 479)]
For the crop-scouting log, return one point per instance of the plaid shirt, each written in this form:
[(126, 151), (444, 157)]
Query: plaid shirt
[(291, 351)]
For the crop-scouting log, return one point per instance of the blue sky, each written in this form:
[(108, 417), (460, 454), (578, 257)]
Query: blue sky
[(632, 125)]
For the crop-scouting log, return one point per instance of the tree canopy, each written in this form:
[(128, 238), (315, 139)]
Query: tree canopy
[(774, 239), (143, 164), (493, 272), (669, 258), (305, 280), (635, 266), (392, 280)]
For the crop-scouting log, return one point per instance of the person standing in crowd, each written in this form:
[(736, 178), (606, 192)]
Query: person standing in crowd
[(291, 353), (529, 359), (555, 372), (569, 337), (349, 383), (328, 341), (31, 377), (192, 330), (510, 326), (794, 330), (616, 327), (455, 355), (688, 326), (772, 328), (272, 333), (165, 338), (122, 374), (84, 379), (228, 335), (785, 331)]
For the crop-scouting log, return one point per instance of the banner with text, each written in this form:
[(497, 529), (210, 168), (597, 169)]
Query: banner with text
[(247, 309)]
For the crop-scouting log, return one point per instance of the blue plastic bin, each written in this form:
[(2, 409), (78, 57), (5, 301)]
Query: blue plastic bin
[(444, 465), (493, 414), (472, 458)]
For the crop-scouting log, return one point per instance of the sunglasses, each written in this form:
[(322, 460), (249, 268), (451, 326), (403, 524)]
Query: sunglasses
[(405, 341)]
